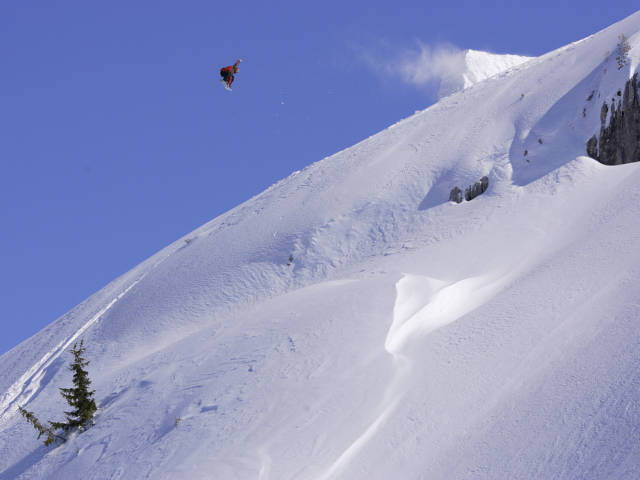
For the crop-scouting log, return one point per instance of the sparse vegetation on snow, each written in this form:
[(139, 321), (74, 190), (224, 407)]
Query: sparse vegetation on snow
[(79, 398)]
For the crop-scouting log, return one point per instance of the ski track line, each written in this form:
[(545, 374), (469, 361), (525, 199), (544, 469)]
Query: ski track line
[(392, 397), (29, 383), (353, 449), (265, 465)]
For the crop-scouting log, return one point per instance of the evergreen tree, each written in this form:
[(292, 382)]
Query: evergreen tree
[(79, 397)]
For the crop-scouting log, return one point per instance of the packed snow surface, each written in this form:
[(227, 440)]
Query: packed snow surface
[(352, 323)]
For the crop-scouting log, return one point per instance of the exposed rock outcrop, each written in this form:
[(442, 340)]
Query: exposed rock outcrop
[(476, 189), (471, 192), (592, 147), (619, 141), (455, 195)]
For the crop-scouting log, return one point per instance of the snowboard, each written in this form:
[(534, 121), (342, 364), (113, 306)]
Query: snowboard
[(224, 84)]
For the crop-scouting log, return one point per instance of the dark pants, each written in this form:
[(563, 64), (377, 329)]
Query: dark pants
[(227, 76)]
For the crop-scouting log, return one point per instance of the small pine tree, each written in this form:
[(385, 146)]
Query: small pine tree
[(79, 397)]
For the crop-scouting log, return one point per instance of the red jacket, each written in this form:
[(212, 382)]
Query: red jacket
[(231, 68)]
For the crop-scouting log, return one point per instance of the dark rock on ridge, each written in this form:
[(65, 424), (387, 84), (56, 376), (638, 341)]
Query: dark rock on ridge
[(619, 141)]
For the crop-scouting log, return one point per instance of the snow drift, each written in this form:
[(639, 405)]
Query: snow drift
[(351, 322)]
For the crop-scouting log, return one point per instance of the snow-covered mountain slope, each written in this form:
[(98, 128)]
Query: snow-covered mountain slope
[(469, 67), (410, 337)]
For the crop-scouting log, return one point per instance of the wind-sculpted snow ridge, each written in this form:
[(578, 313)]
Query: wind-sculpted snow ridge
[(472, 66), (352, 323)]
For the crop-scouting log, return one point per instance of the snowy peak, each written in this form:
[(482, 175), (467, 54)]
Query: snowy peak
[(473, 66)]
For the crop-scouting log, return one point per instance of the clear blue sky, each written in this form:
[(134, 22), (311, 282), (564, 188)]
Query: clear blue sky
[(116, 137)]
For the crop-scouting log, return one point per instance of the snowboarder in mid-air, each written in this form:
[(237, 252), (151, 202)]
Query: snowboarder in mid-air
[(228, 73)]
